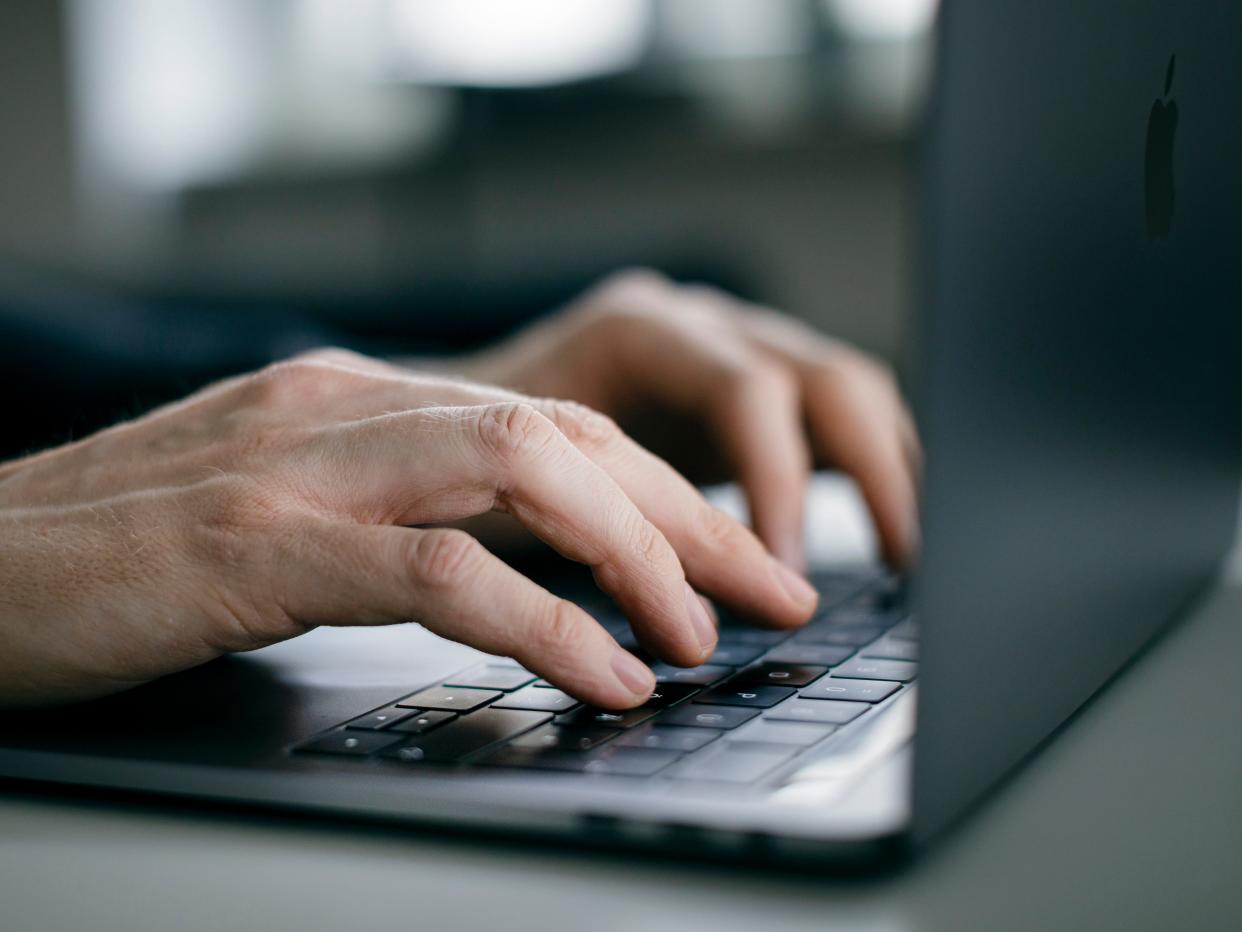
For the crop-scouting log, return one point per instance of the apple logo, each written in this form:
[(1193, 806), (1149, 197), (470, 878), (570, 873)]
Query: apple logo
[(1161, 125)]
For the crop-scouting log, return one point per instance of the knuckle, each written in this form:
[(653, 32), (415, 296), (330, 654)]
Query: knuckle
[(583, 426), (254, 446), (707, 306), (761, 379), (332, 355), (636, 278), (563, 632), (707, 296), (515, 429), (622, 300), (849, 367), (444, 558), (698, 317), (243, 504), (650, 545), (718, 531), (289, 383), (774, 378), (234, 522)]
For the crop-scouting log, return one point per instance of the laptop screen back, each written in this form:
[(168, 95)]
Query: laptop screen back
[(1079, 364)]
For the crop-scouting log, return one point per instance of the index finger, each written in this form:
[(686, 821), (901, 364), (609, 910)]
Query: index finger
[(510, 457), (721, 557)]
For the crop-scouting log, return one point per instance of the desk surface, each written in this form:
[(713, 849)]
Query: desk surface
[(1131, 819)]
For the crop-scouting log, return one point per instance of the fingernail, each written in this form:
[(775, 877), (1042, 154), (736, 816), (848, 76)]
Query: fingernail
[(632, 672), (795, 586), (703, 627)]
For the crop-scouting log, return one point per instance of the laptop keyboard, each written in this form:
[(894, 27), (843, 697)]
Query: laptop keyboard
[(763, 699)]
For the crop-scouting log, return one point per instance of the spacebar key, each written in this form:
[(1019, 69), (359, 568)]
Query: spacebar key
[(470, 733)]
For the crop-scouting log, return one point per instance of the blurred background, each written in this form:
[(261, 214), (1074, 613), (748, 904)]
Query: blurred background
[(444, 169)]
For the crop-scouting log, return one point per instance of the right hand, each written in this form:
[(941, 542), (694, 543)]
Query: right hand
[(272, 503)]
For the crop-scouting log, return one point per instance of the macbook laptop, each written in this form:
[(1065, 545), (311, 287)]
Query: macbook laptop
[(1078, 387)]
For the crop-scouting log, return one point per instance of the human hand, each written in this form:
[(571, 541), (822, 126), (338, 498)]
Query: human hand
[(300, 496), (668, 360)]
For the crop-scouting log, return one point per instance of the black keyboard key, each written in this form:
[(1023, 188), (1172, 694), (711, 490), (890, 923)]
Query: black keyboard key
[(855, 614), (732, 765), (842, 636), (835, 588), (853, 576), (850, 690), (873, 599), (779, 674), (507, 662), (704, 675), (660, 738), (630, 762), (374, 721), (798, 734), (669, 694), (491, 677), (630, 643), (759, 697), (525, 758), (538, 699), (699, 716), (825, 711), (614, 624), (564, 738), (866, 669), (608, 718), (450, 699), (820, 655), (754, 637), (353, 743), (884, 593), (735, 655), (423, 722), (467, 735), (889, 648)]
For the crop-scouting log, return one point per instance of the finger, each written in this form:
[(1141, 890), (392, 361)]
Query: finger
[(350, 574), (439, 464), (910, 441), (720, 556), (338, 385), (857, 416), (858, 427), (757, 419), (698, 363)]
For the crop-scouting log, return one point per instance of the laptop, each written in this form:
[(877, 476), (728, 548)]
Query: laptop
[(1078, 387)]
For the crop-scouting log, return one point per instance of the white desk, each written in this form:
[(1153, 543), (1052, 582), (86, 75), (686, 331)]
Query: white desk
[(1131, 819)]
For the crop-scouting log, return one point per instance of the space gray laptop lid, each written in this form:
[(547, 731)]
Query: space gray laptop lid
[(1079, 360)]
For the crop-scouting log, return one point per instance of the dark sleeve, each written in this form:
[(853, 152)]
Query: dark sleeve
[(74, 358)]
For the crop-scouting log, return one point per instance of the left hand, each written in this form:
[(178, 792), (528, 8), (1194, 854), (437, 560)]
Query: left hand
[(667, 360)]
